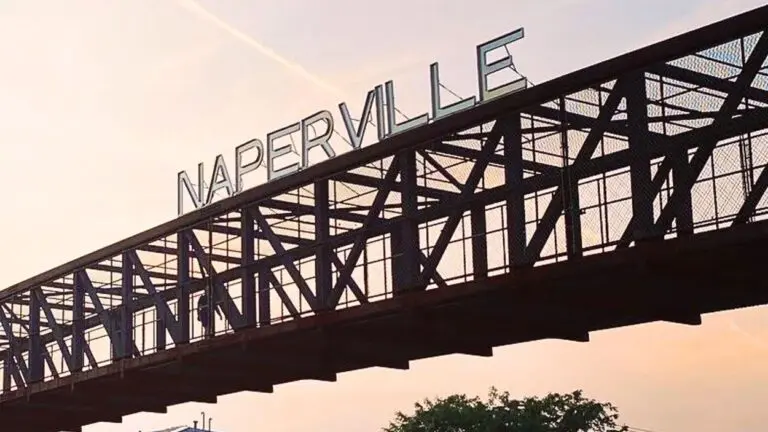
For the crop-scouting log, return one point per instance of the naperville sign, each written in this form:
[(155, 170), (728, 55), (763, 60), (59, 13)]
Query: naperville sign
[(381, 97)]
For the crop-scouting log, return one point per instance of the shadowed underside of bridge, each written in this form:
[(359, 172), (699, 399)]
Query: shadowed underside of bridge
[(628, 192)]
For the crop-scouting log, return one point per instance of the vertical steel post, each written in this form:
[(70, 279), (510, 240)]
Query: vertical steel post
[(479, 241), (263, 294), (7, 370), (405, 238), (161, 339), (323, 270), (570, 189), (182, 285), (161, 326), (640, 163), (78, 325), (248, 280), (684, 208), (125, 329), (36, 369), (513, 176), (213, 299)]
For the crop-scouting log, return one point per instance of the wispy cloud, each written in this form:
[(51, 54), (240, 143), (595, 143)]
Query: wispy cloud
[(199, 10), (754, 340)]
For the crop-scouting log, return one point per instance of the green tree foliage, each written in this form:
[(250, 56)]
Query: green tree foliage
[(500, 413)]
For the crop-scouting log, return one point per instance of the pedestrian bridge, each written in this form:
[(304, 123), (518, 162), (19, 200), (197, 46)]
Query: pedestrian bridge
[(627, 192)]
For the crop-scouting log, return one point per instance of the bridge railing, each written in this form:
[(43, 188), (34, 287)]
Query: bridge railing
[(672, 148)]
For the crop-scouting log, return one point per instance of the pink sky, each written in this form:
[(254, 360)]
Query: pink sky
[(120, 96)]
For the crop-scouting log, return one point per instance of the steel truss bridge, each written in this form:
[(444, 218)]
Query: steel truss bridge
[(627, 192)]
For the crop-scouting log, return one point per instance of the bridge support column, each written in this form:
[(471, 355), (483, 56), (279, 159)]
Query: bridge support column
[(248, 280), (640, 165), (570, 188), (684, 211), (513, 176), (36, 370), (161, 325), (206, 263), (124, 340), (479, 241), (405, 238), (265, 314), (323, 270), (7, 370), (182, 285), (78, 326), (161, 328)]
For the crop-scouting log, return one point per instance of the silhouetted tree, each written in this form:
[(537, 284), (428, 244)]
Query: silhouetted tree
[(500, 413)]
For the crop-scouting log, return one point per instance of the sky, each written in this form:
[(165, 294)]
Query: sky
[(102, 102)]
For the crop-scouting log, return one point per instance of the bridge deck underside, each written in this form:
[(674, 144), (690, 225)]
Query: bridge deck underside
[(570, 198), (675, 281)]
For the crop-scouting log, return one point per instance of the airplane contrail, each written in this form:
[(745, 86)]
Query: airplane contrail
[(754, 340), (196, 8)]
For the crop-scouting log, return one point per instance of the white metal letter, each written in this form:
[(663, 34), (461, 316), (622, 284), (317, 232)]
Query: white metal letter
[(183, 182), (220, 179), (381, 127), (320, 140), (240, 169), (437, 110), (393, 126), (356, 135), (484, 69), (275, 152)]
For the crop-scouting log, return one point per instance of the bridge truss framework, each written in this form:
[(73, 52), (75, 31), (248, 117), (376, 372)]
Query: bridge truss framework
[(666, 142)]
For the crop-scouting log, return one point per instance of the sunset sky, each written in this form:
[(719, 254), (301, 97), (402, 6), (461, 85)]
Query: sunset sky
[(102, 102)]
